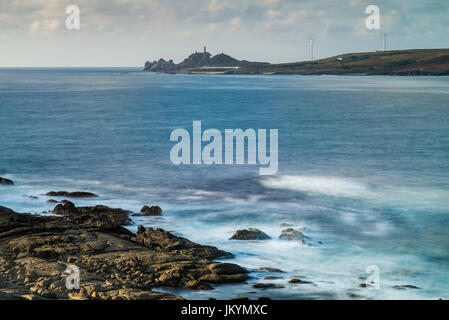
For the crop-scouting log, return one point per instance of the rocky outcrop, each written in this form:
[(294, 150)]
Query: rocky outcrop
[(149, 211), (6, 182), (294, 235), (95, 217), (35, 252), (160, 66), (198, 60), (161, 240), (76, 194), (250, 234), (271, 270)]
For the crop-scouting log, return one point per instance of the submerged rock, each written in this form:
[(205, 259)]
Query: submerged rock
[(293, 235), (271, 278), (286, 225), (265, 286), (404, 287), (250, 234), (5, 181), (76, 194), (272, 270), (299, 281), (114, 263)]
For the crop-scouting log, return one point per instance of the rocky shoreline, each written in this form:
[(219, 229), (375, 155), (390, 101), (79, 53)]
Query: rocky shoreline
[(114, 263), (38, 254)]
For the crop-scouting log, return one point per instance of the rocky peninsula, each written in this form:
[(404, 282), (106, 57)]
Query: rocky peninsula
[(414, 62)]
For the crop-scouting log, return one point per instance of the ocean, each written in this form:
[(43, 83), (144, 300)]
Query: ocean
[(363, 169)]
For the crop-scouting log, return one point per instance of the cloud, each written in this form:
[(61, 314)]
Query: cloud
[(337, 26)]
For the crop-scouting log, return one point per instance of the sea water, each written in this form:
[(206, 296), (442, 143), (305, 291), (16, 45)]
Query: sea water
[(363, 168)]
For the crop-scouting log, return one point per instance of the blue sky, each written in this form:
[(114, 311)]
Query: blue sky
[(129, 32)]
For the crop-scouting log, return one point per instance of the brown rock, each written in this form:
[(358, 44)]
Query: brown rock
[(272, 270), (250, 234), (151, 211), (76, 194), (97, 216), (114, 264), (265, 286), (5, 181)]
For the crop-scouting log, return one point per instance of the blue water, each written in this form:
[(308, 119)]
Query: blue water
[(363, 167)]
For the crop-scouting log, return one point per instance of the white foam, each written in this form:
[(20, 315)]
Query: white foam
[(333, 186)]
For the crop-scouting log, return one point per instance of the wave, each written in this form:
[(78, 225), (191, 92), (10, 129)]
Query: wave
[(332, 186)]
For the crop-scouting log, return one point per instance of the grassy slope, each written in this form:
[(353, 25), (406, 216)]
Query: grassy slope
[(400, 62)]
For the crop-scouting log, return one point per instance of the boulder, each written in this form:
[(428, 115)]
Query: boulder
[(294, 235), (250, 234), (5, 181), (150, 211)]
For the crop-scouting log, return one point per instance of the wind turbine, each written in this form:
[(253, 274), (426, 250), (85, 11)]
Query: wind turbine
[(311, 49)]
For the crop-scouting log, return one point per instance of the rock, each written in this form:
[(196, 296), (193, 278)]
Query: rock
[(113, 262), (286, 225), (250, 234), (353, 295), (293, 235), (52, 201), (5, 181), (33, 197), (299, 281), (271, 270), (141, 229), (76, 194), (406, 286), (265, 286), (151, 211), (161, 240), (271, 278), (98, 216), (160, 66)]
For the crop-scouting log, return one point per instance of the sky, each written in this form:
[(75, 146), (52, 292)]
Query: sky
[(126, 33)]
